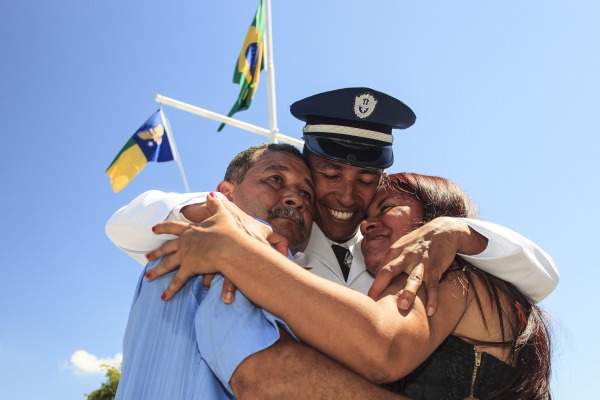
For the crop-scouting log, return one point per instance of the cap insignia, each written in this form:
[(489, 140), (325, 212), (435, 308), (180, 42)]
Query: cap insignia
[(364, 105)]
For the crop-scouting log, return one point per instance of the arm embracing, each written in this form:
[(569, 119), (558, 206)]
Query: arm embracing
[(370, 337), (515, 259), (130, 228)]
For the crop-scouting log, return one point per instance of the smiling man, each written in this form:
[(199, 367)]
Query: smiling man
[(348, 145)]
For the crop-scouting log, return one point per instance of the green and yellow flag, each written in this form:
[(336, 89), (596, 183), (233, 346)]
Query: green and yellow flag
[(250, 63)]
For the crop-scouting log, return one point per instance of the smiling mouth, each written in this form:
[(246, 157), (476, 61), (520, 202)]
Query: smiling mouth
[(341, 215)]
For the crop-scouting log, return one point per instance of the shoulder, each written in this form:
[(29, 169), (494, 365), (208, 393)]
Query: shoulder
[(488, 314)]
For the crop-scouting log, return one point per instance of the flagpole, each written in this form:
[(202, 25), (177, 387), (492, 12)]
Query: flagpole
[(270, 70), (222, 118), (174, 149)]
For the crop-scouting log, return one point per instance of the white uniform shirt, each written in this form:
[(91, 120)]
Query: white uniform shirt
[(318, 257), (508, 255)]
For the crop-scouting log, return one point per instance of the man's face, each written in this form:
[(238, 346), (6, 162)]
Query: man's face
[(343, 194), (279, 189)]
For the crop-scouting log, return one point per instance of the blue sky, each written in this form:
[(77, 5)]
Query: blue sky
[(506, 96)]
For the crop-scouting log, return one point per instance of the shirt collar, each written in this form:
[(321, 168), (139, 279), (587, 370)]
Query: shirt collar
[(350, 243)]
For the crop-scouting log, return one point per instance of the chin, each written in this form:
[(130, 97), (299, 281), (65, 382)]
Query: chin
[(340, 237), (372, 261), (295, 238)]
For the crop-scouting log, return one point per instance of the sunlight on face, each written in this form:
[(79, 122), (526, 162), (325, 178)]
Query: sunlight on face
[(343, 195), (391, 215), (278, 189)]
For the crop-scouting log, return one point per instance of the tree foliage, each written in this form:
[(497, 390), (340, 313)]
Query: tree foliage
[(108, 390)]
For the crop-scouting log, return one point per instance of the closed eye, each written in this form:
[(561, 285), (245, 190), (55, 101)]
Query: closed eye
[(386, 207), (368, 182), (330, 177)]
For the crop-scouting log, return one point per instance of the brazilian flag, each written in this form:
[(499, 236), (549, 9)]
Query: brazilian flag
[(149, 143), (250, 63)]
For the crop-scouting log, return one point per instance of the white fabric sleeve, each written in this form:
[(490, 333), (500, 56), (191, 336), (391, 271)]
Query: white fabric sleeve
[(515, 259), (130, 228)]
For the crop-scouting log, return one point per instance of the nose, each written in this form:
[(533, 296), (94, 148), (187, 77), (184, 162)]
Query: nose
[(369, 224), (293, 198), (345, 194)]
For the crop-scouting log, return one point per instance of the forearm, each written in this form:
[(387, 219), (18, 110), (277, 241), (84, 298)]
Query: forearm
[(317, 310), (515, 259), (290, 370)]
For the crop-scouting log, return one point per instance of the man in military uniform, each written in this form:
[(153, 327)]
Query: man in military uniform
[(348, 144)]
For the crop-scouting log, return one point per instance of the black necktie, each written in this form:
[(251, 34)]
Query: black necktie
[(341, 253)]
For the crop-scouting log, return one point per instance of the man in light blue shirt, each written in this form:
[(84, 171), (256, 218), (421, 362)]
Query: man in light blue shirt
[(161, 358)]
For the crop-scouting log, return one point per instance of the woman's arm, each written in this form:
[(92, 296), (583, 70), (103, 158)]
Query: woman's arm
[(371, 337)]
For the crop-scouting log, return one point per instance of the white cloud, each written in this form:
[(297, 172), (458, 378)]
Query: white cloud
[(88, 364)]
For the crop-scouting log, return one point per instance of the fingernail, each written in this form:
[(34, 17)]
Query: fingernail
[(430, 311), (211, 194), (154, 229), (148, 275), (164, 296), (149, 257), (228, 297), (404, 304)]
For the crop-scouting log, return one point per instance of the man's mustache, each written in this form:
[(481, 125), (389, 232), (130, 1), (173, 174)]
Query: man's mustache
[(289, 212)]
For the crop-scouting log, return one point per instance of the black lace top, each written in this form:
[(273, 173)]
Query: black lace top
[(451, 372)]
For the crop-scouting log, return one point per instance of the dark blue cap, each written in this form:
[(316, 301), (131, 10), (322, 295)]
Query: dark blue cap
[(352, 126)]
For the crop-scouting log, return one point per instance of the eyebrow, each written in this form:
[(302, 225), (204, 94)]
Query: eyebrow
[(401, 201), (370, 171), (281, 167), (277, 167)]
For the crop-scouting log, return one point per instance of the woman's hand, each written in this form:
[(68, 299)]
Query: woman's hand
[(207, 247), (424, 255)]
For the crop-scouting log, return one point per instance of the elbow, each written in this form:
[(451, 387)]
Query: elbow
[(383, 365), (376, 373)]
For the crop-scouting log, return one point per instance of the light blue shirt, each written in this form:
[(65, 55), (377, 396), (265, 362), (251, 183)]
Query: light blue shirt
[(165, 340), (231, 327)]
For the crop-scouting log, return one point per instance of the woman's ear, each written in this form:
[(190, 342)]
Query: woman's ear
[(227, 188)]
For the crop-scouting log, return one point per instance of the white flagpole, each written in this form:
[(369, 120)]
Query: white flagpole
[(270, 70), (174, 149), (222, 118), (272, 133)]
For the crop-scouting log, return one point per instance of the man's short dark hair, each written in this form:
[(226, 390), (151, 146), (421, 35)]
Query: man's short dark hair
[(243, 161)]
